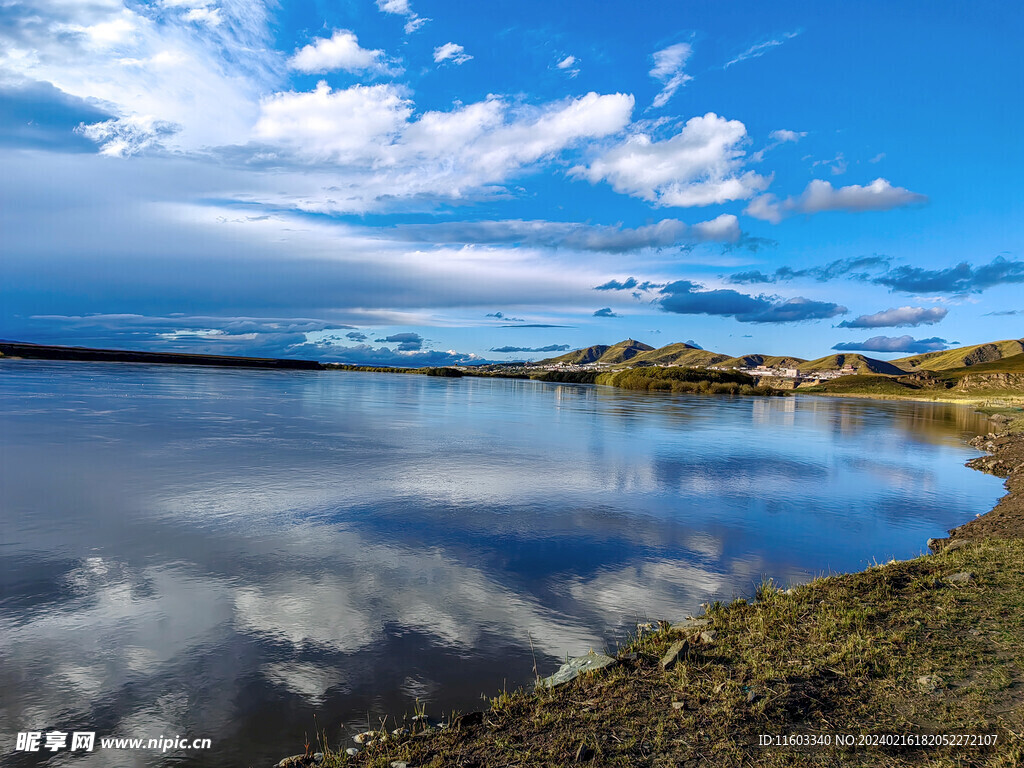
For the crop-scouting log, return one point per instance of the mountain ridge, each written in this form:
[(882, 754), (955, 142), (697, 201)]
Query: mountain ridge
[(632, 352)]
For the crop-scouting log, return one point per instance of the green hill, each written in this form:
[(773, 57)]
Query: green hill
[(601, 353), (998, 377), (684, 355), (624, 351), (860, 363), (579, 356), (962, 357), (769, 361)]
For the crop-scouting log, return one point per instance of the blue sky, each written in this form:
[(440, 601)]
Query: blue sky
[(422, 182)]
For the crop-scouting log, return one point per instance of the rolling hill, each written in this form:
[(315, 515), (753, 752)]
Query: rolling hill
[(861, 363), (602, 353), (962, 357), (770, 361), (684, 355)]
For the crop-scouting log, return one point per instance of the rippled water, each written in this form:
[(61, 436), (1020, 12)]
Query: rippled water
[(224, 553)]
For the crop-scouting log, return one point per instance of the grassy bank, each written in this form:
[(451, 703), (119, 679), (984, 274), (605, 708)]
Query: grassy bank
[(928, 646)]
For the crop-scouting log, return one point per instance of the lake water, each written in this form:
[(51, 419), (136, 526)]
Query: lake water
[(221, 554)]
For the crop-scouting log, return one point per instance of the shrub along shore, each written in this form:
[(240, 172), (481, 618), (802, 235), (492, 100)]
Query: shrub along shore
[(913, 663)]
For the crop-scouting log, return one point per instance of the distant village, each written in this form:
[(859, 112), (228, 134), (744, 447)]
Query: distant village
[(778, 377)]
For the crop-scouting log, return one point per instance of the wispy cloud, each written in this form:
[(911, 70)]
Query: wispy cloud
[(569, 65), (574, 236), (402, 8), (961, 279), (853, 267), (452, 52), (549, 348), (760, 49), (668, 70)]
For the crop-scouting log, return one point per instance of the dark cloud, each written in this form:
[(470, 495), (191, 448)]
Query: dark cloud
[(535, 325), (628, 284), (549, 348), (853, 268), (693, 343), (606, 312), (39, 116), (686, 298), (356, 336), (899, 317), (407, 342), (615, 285), (501, 316), (961, 279), (894, 344)]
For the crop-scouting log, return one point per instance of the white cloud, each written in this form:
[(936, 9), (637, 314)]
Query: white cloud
[(700, 165), (126, 136), (898, 318), (202, 15), (402, 8), (341, 125), (568, 65), (367, 128), (782, 136), (452, 52), (341, 51), (668, 69), (820, 196), (760, 49), (199, 67)]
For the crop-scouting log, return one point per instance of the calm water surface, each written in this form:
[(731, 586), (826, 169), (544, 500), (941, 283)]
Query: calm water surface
[(222, 554)]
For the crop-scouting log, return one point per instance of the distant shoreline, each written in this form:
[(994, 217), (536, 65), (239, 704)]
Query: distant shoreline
[(24, 351)]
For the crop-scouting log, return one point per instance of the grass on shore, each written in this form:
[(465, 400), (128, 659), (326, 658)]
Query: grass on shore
[(896, 649)]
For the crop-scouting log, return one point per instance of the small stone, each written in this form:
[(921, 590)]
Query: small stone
[(400, 732), (751, 696), (678, 705), (576, 667), (708, 637), (676, 650), (399, 764), (956, 544), (365, 737), (318, 757), (351, 751), (960, 578), (646, 628), (937, 545), (929, 682)]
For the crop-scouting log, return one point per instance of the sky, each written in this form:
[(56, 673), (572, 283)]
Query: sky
[(420, 182)]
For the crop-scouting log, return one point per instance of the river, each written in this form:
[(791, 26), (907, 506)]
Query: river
[(225, 554)]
